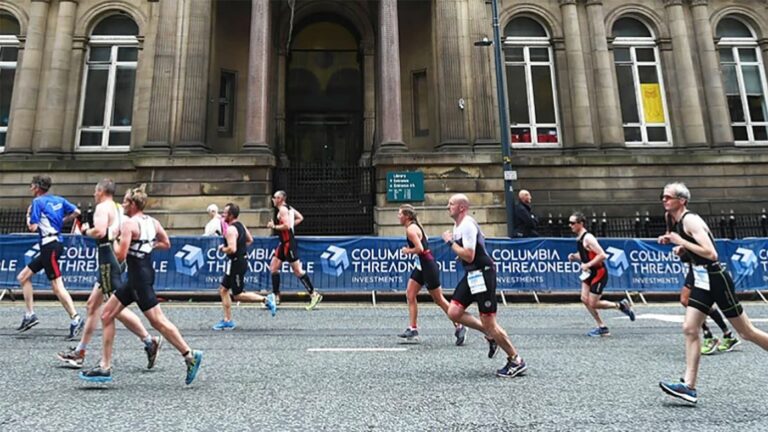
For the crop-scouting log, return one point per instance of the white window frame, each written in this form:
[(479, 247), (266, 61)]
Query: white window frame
[(527, 43), (632, 43), (12, 42), (734, 44), (114, 42)]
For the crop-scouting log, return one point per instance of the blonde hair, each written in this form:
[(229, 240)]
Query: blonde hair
[(138, 196), (410, 212)]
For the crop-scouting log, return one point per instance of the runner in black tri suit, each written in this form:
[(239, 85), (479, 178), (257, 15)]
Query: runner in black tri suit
[(139, 236), (236, 242), (427, 274), (104, 227), (712, 284), (478, 284), (285, 220), (594, 276)]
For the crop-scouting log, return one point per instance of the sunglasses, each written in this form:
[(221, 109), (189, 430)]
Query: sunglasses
[(667, 197), (572, 223)]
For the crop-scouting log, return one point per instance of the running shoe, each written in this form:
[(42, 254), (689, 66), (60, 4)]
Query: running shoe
[(97, 375), (193, 366), (599, 332), (270, 304), (627, 309), (513, 368), (493, 347), (410, 335), (27, 322), (461, 335), (73, 358), (75, 328), (314, 300), (709, 346), (224, 325), (152, 349), (679, 390), (728, 344)]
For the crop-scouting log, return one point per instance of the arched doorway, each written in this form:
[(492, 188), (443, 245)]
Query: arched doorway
[(325, 127)]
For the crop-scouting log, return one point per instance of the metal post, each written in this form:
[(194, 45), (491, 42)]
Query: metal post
[(509, 195)]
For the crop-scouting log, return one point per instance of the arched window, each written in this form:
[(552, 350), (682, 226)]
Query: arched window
[(641, 88), (9, 51), (530, 70), (744, 79), (106, 107)]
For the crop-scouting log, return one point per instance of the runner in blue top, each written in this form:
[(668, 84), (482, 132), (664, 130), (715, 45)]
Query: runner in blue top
[(46, 216)]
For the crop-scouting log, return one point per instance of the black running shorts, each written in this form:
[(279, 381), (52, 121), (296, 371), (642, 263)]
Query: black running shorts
[(486, 302), (428, 275), (286, 251), (721, 291), (234, 279), (140, 286), (110, 271), (48, 259)]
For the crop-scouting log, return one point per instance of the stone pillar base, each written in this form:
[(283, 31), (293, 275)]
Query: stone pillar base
[(257, 148), (392, 146), (191, 147)]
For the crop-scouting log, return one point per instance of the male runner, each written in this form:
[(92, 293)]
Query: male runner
[(104, 227), (478, 284), (712, 284), (594, 276), (46, 216), (139, 235), (286, 218), (236, 241)]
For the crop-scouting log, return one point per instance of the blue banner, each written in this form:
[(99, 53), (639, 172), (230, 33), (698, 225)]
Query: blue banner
[(376, 263)]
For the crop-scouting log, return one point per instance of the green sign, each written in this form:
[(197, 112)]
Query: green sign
[(405, 186)]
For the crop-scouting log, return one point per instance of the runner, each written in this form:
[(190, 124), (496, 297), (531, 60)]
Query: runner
[(236, 241), (47, 216), (285, 220), (139, 235), (594, 276), (427, 274), (104, 227)]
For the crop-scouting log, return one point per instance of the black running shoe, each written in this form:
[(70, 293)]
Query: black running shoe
[(97, 375), (152, 349), (493, 348)]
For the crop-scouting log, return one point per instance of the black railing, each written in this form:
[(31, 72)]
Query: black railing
[(13, 221)]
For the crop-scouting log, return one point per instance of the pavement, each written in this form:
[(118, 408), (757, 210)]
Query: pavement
[(288, 374)]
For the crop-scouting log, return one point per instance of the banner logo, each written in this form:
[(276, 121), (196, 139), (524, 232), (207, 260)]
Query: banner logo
[(616, 262), (334, 261), (744, 262), (189, 260), (32, 254)]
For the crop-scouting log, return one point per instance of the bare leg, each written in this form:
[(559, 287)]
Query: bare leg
[(749, 332), (108, 315), (585, 298), (25, 281), (457, 313), (498, 334), (226, 303), (411, 293), (63, 295), (132, 322), (92, 314), (693, 320), (250, 297), (171, 333)]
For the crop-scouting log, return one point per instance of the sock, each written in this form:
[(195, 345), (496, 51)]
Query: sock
[(276, 283), (29, 314), (307, 283), (717, 317), (81, 347), (148, 340), (707, 333), (188, 356), (75, 318)]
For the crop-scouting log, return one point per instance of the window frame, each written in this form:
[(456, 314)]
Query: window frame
[(526, 43), (115, 43), (735, 44), (633, 43), (229, 103), (13, 42)]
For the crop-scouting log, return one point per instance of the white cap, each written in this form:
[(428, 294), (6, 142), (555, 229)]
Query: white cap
[(213, 208)]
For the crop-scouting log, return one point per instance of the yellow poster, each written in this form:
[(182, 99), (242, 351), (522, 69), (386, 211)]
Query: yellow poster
[(652, 105)]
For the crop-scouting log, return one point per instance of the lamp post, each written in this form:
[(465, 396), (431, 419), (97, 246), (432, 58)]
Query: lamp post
[(509, 175)]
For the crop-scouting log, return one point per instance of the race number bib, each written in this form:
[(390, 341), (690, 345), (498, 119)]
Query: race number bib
[(476, 282), (701, 278), (585, 275)]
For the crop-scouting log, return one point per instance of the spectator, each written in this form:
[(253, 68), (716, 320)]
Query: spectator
[(213, 227), (524, 219)]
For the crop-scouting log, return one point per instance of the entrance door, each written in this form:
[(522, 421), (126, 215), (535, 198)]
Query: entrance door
[(324, 133)]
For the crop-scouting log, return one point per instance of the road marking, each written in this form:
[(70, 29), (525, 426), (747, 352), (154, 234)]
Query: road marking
[(356, 349), (679, 318)]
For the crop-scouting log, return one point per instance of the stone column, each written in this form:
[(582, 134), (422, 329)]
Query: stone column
[(21, 124), (50, 121), (608, 106), (194, 115), (257, 108), (280, 118), (581, 113), (690, 104), (369, 101), (453, 130), (390, 100), (484, 115), (160, 126), (717, 105)]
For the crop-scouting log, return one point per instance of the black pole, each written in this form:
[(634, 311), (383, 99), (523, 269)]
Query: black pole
[(509, 195)]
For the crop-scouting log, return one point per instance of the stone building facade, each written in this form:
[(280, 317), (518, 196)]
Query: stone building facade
[(227, 100)]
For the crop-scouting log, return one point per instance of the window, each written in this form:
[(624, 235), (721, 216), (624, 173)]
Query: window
[(9, 51), (641, 88), (530, 85), (420, 103), (106, 107), (226, 120), (741, 65)]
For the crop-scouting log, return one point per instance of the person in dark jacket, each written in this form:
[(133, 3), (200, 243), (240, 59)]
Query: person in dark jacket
[(525, 221)]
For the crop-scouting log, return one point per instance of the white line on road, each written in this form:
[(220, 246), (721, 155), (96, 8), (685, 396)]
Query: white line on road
[(356, 349), (679, 318)]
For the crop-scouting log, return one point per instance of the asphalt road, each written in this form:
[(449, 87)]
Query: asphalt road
[(268, 374)]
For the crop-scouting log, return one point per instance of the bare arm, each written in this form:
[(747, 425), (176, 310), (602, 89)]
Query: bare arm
[(282, 215), (697, 229), (231, 237), (248, 237), (412, 233), (162, 241), (127, 230), (71, 216), (100, 223), (297, 217), (590, 242)]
